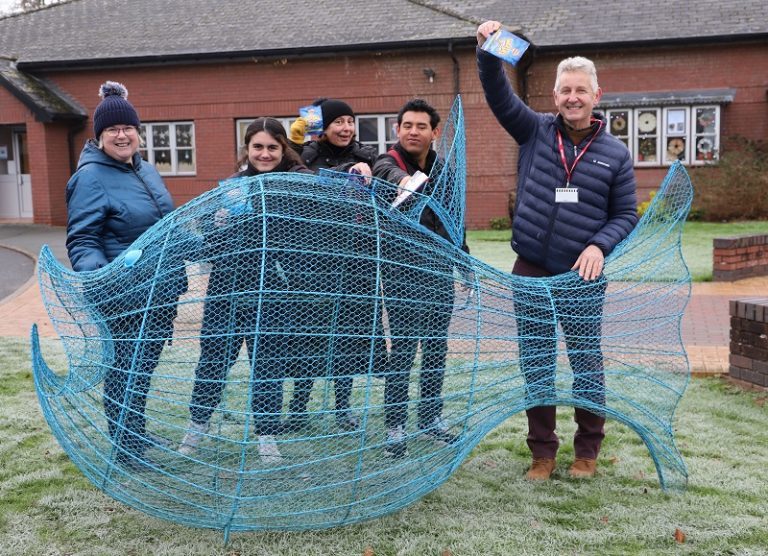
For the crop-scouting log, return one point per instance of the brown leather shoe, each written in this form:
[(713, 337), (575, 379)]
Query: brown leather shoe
[(541, 469), (583, 468)]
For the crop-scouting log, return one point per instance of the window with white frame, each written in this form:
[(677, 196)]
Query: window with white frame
[(658, 136), (170, 147), (242, 125), (377, 130)]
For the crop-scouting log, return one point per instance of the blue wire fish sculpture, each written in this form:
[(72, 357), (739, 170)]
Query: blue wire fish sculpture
[(294, 276)]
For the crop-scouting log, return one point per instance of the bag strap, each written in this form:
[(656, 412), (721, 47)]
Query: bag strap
[(398, 159)]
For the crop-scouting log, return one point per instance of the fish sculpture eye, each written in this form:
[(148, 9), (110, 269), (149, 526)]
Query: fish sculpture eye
[(290, 352)]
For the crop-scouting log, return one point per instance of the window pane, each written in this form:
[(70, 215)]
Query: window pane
[(184, 135), (646, 122), (186, 160), (368, 129), (161, 136), (163, 160), (705, 147), (619, 122), (389, 124), (676, 122), (646, 149), (705, 120), (676, 148)]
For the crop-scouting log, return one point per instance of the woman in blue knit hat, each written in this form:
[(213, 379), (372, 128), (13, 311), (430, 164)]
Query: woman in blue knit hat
[(112, 198)]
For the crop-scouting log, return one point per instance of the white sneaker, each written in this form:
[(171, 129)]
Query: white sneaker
[(396, 446), (438, 431), (195, 433), (268, 450)]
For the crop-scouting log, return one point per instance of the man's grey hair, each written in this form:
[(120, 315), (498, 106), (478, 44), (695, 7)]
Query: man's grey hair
[(577, 63)]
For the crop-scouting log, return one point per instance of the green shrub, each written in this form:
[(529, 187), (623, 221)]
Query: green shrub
[(500, 223), (736, 187), (642, 207)]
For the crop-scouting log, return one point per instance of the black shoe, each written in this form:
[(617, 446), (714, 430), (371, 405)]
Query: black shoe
[(438, 431), (137, 464), (396, 446), (294, 423), (347, 422)]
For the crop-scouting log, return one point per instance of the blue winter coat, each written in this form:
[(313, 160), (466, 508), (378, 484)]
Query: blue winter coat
[(109, 205), (549, 234)]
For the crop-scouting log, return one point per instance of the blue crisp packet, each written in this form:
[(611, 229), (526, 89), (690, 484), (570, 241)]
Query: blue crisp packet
[(506, 46), (314, 116)]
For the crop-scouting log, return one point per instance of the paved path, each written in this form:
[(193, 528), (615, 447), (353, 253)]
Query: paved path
[(706, 323)]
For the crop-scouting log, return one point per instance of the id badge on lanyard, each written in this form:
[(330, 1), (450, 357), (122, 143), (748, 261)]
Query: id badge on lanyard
[(570, 194), (567, 195)]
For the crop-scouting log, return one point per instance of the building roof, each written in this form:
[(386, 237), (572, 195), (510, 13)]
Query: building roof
[(553, 23), (40, 96), (96, 31), (99, 32)]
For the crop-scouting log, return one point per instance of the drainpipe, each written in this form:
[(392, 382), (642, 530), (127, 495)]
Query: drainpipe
[(456, 81), (73, 130), (522, 73)]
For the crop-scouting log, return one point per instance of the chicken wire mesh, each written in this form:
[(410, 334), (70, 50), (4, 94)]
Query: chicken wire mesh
[(288, 352)]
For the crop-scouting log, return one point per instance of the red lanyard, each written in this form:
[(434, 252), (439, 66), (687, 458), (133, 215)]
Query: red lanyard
[(569, 171)]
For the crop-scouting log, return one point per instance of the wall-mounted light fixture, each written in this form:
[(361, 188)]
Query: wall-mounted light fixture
[(429, 73)]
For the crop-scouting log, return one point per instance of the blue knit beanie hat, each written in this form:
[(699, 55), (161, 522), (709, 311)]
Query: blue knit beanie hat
[(114, 108)]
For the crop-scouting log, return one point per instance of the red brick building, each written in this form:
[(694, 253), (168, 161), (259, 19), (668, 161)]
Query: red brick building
[(198, 72)]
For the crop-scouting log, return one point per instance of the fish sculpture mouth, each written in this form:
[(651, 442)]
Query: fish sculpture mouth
[(238, 298)]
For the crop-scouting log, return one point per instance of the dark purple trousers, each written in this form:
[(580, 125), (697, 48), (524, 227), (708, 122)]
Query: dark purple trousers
[(538, 358)]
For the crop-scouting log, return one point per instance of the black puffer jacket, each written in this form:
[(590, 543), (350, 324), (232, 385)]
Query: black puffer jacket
[(321, 154)]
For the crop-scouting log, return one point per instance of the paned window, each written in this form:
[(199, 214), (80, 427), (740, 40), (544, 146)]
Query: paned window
[(170, 146), (242, 125), (658, 136), (377, 130)]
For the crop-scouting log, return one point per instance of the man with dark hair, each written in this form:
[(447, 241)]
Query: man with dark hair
[(419, 304)]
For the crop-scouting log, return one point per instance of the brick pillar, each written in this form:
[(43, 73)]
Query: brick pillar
[(49, 170), (749, 340)]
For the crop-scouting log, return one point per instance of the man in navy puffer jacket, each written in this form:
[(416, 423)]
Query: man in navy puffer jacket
[(575, 202)]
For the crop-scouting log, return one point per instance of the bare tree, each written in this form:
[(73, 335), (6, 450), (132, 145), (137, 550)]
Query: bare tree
[(30, 5)]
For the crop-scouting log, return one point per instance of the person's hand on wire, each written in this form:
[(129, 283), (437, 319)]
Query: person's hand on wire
[(361, 168), (590, 263)]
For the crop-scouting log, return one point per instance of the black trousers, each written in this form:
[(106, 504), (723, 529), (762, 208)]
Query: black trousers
[(127, 383), (579, 312), (226, 325), (419, 308)]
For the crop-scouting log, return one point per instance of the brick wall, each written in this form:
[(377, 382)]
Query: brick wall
[(749, 340), (739, 257), (214, 95)]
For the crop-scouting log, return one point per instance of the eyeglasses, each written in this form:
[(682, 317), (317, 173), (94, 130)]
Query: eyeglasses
[(115, 131)]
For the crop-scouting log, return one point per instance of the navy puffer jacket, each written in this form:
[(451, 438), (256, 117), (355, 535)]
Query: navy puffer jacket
[(109, 205), (549, 234)]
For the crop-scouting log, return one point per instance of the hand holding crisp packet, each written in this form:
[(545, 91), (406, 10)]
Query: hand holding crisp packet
[(314, 117), (506, 46), (414, 184)]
